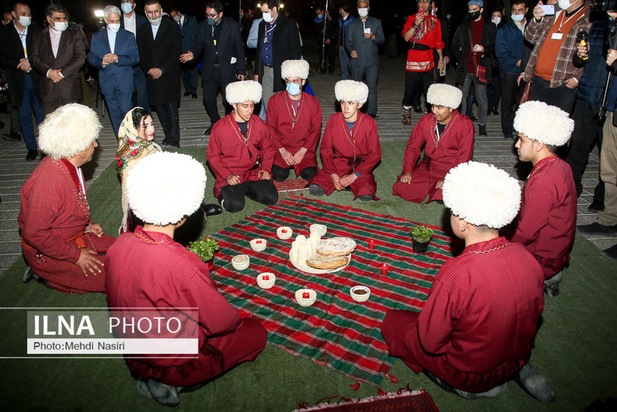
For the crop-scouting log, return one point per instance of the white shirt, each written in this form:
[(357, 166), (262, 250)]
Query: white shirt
[(155, 29), (54, 36), (111, 36), (130, 24)]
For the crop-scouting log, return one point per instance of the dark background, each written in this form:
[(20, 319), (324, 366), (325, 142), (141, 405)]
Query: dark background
[(82, 11)]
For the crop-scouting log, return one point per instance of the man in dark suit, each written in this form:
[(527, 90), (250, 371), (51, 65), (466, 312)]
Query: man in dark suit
[(15, 41), (220, 42), (160, 46), (363, 36), (114, 52), (58, 53), (188, 31), (279, 40), (130, 21)]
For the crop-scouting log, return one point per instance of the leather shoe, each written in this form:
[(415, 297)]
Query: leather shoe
[(596, 229), (211, 209), (482, 130), (610, 253), (13, 137), (173, 143), (417, 109), (208, 131), (596, 206), (194, 95), (32, 155), (496, 112), (187, 93)]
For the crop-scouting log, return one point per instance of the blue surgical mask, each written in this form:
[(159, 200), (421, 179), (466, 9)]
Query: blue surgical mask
[(518, 17), (211, 22), (126, 8), (293, 88)]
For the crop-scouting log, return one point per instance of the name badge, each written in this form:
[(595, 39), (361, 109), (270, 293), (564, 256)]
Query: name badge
[(557, 36)]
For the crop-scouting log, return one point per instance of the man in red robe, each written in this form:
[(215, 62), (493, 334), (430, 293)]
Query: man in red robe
[(547, 221), (447, 138), (476, 330), (149, 271), (60, 243), (350, 147), (240, 151), (294, 118)]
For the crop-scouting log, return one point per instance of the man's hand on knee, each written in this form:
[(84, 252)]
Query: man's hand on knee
[(88, 262), (405, 178), (233, 180)]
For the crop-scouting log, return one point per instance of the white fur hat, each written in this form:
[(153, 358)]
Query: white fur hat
[(243, 91), (295, 68), (164, 187), (482, 194), (443, 94), (68, 131), (351, 91), (543, 123)]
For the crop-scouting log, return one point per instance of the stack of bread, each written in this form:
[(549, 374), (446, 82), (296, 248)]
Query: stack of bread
[(327, 254)]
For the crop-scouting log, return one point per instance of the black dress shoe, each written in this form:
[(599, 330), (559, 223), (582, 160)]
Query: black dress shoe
[(610, 253), (173, 143), (596, 206), (32, 155), (194, 95), (496, 112), (597, 229), (13, 137), (187, 93), (417, 109), (208, 131), (482, 130), (211, 209)]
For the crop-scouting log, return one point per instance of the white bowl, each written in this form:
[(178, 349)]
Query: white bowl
[(302, 301), (240, 262), (266, 283), (284, 232), (259, 245), (319, 229), (360, 293)]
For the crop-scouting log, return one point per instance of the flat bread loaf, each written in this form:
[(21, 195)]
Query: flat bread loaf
[(336, 246), (318, 261)]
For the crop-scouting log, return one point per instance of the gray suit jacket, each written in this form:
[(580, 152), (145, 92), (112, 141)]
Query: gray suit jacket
[(367, 49)]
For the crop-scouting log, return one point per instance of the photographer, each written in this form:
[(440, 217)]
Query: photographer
[(606, 225)]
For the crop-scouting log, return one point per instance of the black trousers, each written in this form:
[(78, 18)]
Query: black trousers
[(211, 91), (587, 130), (262, 191), (279, 173), (415, 83), (170, 120), (511, 94), (562, 96)]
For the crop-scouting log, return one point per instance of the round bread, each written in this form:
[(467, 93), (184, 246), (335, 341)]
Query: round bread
[(318, 261), (336, 246)]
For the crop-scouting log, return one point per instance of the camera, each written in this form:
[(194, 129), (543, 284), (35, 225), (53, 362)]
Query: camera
[(603, 5)]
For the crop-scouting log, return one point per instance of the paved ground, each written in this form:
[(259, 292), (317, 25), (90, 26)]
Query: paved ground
[(14, 170)]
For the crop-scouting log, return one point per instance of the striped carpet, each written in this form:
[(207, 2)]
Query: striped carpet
[(336, 331)]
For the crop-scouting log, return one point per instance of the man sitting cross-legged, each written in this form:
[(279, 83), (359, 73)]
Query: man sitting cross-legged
[(476, 330), (294, 118), (350, 148), (240, 151), (447, 138), (153, 277)]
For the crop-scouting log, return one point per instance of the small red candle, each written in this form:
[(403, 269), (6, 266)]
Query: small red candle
[(371, 244), (265, 277), (305, 295), (384, 269)]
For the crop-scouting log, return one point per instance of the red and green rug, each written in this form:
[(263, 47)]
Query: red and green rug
[(335, 331)]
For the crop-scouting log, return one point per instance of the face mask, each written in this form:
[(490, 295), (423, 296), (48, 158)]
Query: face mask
[(518, 17), (473, 15), (363, 12), (267, 17), (113, 27), (496, 19), (25, 21), (211, 22), (155, 22), (564, 4), (177, 18), (294, 89), (318, 18), (61, 25), (127, 8)]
